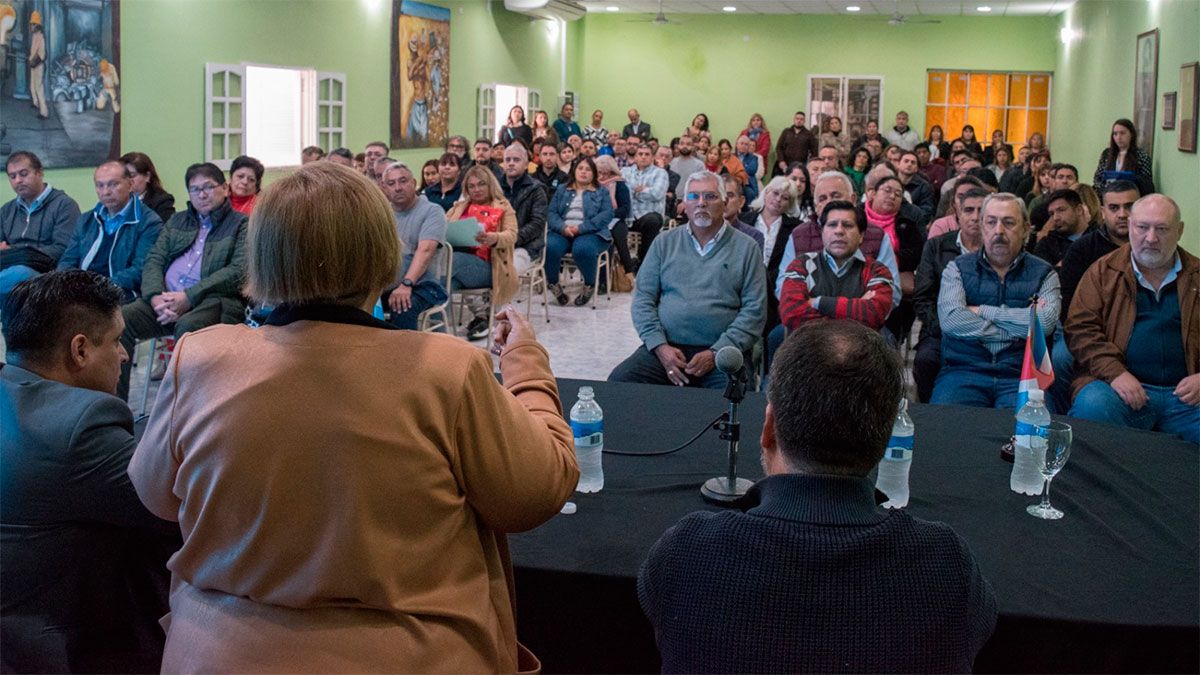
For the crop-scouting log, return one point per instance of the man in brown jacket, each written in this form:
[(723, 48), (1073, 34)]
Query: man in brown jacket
[(796, 144), (1134, 328)]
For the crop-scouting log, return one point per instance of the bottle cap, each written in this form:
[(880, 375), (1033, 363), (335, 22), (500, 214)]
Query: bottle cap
[(568, 508), (585, 392), (1037, 395)]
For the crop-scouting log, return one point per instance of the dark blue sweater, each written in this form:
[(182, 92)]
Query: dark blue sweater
[(814, 577)]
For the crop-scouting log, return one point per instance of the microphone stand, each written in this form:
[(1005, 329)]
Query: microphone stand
[(724, 490)]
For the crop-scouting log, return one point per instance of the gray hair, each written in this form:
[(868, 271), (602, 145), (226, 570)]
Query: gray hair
[(835, 175), (779, 184), (703, 175), (1177, 215), (1006, 198), (392, 166)]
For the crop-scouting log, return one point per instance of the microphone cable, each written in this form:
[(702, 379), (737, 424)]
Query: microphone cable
[(672, 450)]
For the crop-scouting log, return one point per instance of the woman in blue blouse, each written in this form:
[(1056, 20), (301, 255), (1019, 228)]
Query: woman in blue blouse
[(578, 218)]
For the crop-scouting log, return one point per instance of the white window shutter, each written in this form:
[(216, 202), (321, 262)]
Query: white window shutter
[(224, 113), (331, 110), (487, 111), (533, 105)]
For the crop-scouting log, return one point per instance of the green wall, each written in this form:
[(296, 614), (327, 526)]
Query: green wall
[(1098, 68), (729, 66), (165, 44)]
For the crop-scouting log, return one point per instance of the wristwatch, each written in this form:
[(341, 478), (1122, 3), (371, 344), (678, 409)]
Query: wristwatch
[(406, 282)]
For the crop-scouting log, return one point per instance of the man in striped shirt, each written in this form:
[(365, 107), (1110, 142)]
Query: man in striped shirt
[(839, 281), (983, 309)]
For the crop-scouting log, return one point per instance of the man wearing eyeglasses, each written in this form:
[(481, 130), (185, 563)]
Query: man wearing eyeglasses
[(701, 287), (983, 310), (193, 275)]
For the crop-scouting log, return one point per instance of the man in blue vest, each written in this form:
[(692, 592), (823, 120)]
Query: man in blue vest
[(983, 309)]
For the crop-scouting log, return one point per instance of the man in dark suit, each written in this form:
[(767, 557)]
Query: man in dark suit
[(83, 561), (636, 126), (812, 576)]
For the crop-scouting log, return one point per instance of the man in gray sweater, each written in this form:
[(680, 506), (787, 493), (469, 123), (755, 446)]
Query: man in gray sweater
[(702, 287)]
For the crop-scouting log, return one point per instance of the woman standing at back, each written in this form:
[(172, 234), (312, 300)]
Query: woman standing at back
[(343, 488), (1124, 160)]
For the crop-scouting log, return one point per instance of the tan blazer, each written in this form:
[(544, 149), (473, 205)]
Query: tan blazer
[(504, 276), (343, 491)]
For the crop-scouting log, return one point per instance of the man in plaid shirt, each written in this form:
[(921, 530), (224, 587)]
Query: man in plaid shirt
[(839, 281)]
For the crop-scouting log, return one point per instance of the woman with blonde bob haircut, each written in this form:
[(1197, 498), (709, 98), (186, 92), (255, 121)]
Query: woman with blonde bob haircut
[(490, 264), (342, 487)]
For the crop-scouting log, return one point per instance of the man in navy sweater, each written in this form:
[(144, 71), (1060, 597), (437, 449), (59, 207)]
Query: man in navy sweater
[(812, 576)]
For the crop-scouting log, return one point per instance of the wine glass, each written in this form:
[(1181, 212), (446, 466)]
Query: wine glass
[(1057, 439)]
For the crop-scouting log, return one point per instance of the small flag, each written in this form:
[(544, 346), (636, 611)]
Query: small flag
[(1037, 372)]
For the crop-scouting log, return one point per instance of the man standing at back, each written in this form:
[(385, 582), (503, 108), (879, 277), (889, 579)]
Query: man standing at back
[(795, 144), (902, 135), (812, 576)]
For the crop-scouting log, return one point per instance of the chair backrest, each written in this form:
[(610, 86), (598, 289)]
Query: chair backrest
[(540, 260)]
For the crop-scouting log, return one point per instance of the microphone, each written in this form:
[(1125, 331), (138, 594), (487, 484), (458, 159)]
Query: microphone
[(729, 360), (726, 489)]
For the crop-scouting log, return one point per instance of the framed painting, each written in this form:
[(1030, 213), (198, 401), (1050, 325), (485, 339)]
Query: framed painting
[(60, 88), (1145, 88), (420, 101), (1189, 101), (1168, 122)]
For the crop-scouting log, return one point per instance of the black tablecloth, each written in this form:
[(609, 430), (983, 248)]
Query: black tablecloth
[(1114, 586)]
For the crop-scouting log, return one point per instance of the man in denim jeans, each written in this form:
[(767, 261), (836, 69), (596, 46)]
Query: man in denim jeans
[(1134, 328), (421, 226)]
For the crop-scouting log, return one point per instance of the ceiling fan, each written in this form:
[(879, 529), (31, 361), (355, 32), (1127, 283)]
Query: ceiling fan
[(659, 19), (898, 19)]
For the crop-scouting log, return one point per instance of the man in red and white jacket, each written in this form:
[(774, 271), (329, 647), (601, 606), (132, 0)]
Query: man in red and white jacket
[(839, 281)]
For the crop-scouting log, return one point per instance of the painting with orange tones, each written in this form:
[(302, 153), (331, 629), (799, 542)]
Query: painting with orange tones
[(420, 75)]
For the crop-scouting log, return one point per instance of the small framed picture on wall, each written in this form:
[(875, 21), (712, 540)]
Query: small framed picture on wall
[(1189, 101), (1168, 111)]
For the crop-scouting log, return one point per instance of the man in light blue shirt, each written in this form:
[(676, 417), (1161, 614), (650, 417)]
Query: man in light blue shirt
[(648, 191)]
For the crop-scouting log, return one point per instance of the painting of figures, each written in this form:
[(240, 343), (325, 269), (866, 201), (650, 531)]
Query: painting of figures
[(420, 75), (60, 84)]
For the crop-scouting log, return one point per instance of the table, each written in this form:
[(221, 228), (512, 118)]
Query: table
[(1113, 587)]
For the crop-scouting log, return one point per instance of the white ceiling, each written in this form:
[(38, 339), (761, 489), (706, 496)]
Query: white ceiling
[(885, 7)]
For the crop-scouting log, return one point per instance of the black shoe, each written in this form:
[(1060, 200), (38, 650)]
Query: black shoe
[(558, 294), (584, 298), (477, 329)]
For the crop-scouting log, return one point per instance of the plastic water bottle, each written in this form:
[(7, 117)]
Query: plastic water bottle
[(587, 426), (892, 479), (378, 312), (1029, 448)]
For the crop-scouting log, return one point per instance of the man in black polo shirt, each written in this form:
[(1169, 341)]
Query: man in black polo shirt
[(1067, 223), (811, 574)]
